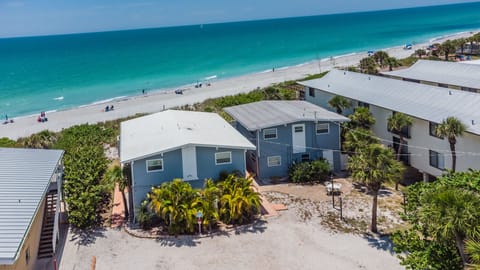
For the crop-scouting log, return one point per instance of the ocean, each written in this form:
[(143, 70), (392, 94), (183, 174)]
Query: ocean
[(64, 71)]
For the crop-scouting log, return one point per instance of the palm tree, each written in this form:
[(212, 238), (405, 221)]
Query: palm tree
[(380, 57), (420, 53), (451, 128), (339, 103), (373, 166), (452, 213), (362, 117), (392, 62), (472, 248), (396, 123), (447, 47), (357, 139), (368, 65), (115, 175)]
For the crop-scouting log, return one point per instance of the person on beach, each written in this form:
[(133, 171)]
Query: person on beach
[(111, 107)]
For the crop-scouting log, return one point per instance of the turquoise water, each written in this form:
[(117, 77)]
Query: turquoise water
[(65, 71)]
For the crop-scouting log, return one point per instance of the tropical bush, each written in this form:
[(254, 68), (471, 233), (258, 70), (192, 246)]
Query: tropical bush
[(239, 203), (444, 215), (176, 203), (6, 142), (312, 171), (84, 166)]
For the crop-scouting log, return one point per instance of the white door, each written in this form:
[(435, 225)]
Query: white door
[(328, 155), (189, 163), (298, 138)]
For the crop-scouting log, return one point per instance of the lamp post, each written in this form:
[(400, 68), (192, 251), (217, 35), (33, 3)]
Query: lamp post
[(333, 190)]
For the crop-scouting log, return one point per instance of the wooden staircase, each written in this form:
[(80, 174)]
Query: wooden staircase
[(45, 249)]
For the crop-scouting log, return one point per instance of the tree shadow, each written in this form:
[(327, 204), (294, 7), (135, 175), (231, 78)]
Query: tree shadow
[(381, 243), (384, 193), (86, 237), (179, 241), (258, 226)]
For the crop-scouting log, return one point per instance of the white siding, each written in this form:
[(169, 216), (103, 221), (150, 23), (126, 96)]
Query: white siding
[(468, 146)]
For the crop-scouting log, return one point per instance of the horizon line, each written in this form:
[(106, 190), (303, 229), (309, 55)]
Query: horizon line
[(228, 22)]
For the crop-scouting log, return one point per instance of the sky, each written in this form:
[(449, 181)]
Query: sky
[(47, 17)]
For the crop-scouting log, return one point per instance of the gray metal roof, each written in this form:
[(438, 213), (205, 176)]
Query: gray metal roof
[(168, 130), (264, 114), (25, 175), (452, 73), (419, 100)]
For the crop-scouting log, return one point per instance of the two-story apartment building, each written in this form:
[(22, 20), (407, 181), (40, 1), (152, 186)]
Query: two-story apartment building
[(427, 105), (192, 146), (285, 132), (30, 184), (453, 75)]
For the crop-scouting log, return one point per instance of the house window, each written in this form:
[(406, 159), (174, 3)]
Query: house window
[(433, 130), (322, 128), (363, 104), (223, 158), (155, 165), (437, 160), (274, 161), (311, 92), (298, 129), (305, 157), (270, 133)]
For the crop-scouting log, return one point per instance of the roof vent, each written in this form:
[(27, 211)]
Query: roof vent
[(329, 85), (473, 122), (450, 92), (369, 78), (344, 73)]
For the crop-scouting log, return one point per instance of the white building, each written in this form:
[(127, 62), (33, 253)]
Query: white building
[(427, 105), (454, 75)]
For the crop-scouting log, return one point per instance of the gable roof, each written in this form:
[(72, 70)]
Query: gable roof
[(419, 100), (264, 114), (452, 73), (172, 129), (25, 175)]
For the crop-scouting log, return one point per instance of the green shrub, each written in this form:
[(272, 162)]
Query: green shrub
[(6, 142), (144, 216), (313, 171)]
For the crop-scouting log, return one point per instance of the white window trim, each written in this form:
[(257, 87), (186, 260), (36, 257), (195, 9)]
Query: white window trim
[(223, 163), (276, 134), (270, 157), (323, 133), (149, 171)]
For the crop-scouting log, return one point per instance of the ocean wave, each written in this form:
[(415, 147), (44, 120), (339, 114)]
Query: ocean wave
[(106, 100), (432, 40), (210, 77), (58, 98)]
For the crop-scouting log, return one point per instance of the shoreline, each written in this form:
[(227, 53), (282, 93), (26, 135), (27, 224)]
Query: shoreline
[(156, 100)]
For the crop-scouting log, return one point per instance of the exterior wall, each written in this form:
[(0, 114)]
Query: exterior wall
[(30, 243), (143, 181), (421, 142), (206, 162), (321, 99), (282, 146)]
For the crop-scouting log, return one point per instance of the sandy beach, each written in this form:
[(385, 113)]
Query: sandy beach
[(165, 99)]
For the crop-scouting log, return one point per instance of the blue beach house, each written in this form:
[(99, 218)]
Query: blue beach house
[(285, 132), (173, 144)]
